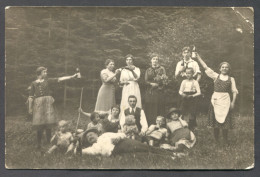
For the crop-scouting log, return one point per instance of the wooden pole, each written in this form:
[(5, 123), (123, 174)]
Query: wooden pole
[(80, 103)]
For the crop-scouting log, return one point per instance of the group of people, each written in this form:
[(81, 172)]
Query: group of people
[(133, 126)]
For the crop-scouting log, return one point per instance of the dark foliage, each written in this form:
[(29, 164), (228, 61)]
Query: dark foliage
[(63, 38)]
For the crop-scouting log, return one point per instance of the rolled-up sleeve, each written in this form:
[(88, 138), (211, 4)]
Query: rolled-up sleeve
[(212, 74), (177, 70), (233, 86), (93, 150), (143, 121), (182, 87), (137, 72)]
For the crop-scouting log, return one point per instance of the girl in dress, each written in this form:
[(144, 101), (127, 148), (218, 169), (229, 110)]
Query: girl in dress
[(41, 103), (189, 90), (221, 102), (180, 137), (106, 95), (129, 77), (154, 103), (104, 122)]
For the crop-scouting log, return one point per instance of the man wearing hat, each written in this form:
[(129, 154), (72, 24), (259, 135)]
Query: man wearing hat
[(116, 143)]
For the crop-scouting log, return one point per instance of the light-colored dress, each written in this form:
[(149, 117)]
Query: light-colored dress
[(219, 113), (106, 95), (131, 89)]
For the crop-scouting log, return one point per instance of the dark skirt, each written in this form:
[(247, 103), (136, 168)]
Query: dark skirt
[(212, 122), (182, 133), (154, 105)]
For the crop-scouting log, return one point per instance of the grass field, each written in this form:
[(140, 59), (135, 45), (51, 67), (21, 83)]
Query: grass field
[(21, 150)]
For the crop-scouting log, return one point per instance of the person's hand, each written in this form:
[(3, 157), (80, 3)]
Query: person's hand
[(117, 71), (30, 111), (232, 105), (154, 85), (126, 83), (80, 110), (184, 95), (142, 133), (74, 75)]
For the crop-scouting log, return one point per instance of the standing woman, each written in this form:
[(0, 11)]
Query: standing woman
[(106, 94), (154, 103), (41, 103), (129, 77), (221, 102)]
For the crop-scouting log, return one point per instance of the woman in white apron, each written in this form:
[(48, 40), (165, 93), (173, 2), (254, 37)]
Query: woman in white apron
[(221, 101), (129, 77)]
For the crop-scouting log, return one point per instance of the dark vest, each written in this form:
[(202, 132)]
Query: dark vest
[(137, 115)]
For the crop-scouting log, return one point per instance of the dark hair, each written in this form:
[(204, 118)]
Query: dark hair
[(93, 115), (132, 96), (222, 63), (189, 68), (117, 107), (186, 48), (129, 55), (154, 55), (39, 70), (108, 61)]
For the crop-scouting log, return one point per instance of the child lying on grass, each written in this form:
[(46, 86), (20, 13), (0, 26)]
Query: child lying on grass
[(157, 134)]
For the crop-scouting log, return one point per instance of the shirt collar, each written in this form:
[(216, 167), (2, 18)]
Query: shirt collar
[(189, 61), (130, 109)]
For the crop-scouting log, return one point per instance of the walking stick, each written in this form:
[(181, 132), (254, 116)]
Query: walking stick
[(79, 107)]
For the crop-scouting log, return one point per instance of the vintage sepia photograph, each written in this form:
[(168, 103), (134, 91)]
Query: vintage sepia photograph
[(129, 87)]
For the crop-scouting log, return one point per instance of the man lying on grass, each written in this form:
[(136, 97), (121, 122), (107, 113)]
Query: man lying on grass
[(117, 143)]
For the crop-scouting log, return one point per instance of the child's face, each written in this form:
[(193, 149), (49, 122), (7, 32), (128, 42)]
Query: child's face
[(97, 118), (174, 116), (189, 74), (159, 122), (115, 111), (63, 128), (130, 120)]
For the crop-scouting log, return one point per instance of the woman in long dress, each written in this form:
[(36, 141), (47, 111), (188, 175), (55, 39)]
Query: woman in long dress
[(154, 100), (106, 95), (222, 103), (129, 77)]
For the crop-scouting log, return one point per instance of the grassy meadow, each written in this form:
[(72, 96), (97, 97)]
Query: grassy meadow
[(21, 152)]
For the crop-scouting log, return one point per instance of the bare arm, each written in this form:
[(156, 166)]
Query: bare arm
[(204, 65), (66, 78)]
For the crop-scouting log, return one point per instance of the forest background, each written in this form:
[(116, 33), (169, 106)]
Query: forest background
[(64, 38)]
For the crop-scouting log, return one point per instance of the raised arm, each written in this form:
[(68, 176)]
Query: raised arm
[(107, 78), (204, 65), (64, 78)]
